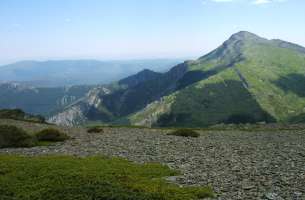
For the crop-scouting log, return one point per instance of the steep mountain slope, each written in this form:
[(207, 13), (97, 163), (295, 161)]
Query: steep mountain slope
[(72, 72), (246, 79), (43, 101)]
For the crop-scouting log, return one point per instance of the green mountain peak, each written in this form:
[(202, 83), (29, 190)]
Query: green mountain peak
[(245, 35), (247, 79)]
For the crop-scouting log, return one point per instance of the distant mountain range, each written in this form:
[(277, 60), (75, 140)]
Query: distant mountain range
[(248, 79), (77, 72)]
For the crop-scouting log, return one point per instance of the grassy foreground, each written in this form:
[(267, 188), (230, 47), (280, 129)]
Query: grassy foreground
[(92, 178)]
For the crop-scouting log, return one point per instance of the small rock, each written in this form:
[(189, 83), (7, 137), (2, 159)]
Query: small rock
[(171, 178), (248, 187), (273, 196), (297, 195)]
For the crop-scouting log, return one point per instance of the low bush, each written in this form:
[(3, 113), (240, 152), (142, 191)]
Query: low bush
[(70, 178), (95, 129), (51, 135), (185, 133), (11, 136)]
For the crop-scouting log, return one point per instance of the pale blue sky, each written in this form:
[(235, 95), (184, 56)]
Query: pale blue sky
[(137, 29)]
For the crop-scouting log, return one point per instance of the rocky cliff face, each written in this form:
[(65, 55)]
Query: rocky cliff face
[(71, 117)]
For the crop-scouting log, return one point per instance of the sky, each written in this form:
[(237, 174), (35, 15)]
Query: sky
[(138, 29)]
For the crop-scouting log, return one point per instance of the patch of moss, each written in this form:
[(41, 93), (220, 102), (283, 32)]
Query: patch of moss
[(70, 178)]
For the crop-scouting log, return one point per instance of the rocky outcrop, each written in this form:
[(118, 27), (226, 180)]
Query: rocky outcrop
[(70, 117)]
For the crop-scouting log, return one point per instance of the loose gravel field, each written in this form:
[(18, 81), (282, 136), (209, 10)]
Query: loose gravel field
[(237, 164)]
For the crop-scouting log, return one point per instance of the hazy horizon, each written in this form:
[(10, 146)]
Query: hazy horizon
[(133, 30), (42, 60)]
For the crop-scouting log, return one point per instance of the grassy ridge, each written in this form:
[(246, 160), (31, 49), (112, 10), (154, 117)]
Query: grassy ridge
[(246, 80), (69, 178), (18, 114)]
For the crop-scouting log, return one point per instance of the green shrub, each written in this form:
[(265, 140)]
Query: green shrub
[(95, 129), (11, 136), (71, 178), (52, 135), (185, 133)]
